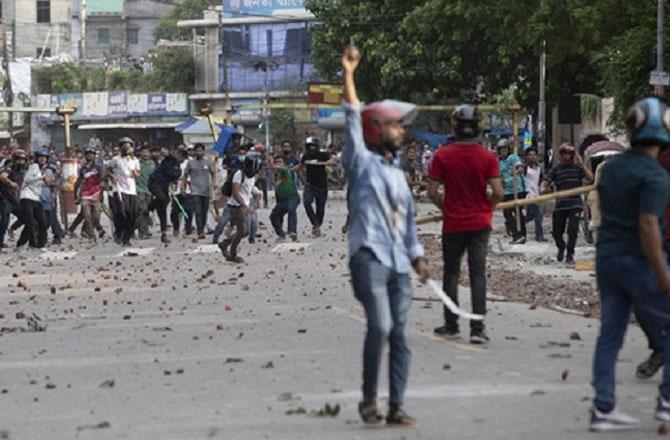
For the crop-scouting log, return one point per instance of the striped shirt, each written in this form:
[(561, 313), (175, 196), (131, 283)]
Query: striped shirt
[(564, 177)]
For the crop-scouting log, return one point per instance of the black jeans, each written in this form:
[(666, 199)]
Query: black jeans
[(6, 209), (200, 206), (561, 219), (186, 202), (125, 216), (238, 219), (35, 224), (453, 248), (510, 217), (160, 202), (319, 195)]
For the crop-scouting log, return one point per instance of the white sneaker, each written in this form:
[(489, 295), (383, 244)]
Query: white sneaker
[(663, 410), (612, 421)]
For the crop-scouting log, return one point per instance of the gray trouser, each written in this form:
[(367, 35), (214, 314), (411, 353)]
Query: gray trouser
[(239, 220)]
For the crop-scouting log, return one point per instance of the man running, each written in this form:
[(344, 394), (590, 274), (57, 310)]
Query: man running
[(467, 170), (314, 162), (241, 205), (631, 269), (124, 170), (570, 173), (383, 244), (161, 183)]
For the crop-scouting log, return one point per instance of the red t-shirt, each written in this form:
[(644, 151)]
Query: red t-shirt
[(465, 169)]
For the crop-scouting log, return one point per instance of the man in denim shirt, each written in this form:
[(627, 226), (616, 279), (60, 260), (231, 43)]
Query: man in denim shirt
[(631, 269), (383, 244)]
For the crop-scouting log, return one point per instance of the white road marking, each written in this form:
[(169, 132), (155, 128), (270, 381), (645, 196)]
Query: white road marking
[(134, 252), (57, 255), (206, 249), (287, 247)]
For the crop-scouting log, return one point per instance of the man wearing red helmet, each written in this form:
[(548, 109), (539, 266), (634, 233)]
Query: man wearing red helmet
[(568, 174), (466, 169), (383, 244)]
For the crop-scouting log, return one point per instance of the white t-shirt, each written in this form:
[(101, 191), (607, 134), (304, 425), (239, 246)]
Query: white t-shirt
[(182, 166), (533, 181), (121, 168), (247, 188), (33, 181)]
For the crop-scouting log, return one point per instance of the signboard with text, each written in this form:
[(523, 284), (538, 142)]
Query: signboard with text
[(114, 105), (263, 7)]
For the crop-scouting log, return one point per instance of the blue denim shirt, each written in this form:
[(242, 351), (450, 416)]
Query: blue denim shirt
[(381, 207)]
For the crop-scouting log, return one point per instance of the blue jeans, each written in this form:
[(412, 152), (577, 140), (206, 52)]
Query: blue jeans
[(283, 207), (386, 296), (626, 281), (223, 222), (534, 214), (253, 226)]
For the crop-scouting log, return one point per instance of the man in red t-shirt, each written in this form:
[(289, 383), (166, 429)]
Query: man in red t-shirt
[(466, 169)]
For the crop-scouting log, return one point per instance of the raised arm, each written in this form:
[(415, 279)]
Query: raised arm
[(354, 147)]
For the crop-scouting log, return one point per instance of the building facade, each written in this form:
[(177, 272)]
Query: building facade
[(37, 27)]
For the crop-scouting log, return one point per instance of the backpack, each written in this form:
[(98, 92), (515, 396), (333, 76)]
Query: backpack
[(227, 188)]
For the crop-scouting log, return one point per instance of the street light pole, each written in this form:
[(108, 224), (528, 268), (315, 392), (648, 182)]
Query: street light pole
[(266, 111), (542, 110), (660, 90)]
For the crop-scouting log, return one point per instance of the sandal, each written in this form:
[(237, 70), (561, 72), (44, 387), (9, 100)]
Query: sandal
[(398, 417), (369, 412), (235, 259)]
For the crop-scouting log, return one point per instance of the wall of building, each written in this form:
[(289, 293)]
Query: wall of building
[(96, 50), (30, 35)]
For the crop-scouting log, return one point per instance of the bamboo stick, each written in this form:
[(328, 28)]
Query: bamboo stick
[(520, 202)]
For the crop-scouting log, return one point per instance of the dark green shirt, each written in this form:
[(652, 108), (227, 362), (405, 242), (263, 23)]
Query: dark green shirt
[(146, 168), (631, 183), (287, 189)]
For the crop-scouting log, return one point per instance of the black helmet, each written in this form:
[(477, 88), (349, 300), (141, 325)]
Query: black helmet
[(126, 140), (465, 121), (252, 164), (90, 150)]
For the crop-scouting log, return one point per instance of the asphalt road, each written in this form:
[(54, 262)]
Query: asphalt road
[(174, 343)]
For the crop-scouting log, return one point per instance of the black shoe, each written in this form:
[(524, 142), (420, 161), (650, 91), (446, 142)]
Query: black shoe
[(201, 236), (101, 233), (478, 337), (648, 368), (520, 240), (448, 332), (56, 240), (561, 253), (569, 259), (165, 239), (540, 239), (397, 417)]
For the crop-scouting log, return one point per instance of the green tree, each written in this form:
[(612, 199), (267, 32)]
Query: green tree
[(188, 10)]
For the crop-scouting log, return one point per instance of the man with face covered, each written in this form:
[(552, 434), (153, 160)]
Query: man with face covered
[(11, 177), (314, 161), (383, 244), (124, 170), (201, 173), (31, 212)]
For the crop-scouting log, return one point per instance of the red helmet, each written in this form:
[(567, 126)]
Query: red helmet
[(260, 148), (566, 154), (20, 154), (378, 113)]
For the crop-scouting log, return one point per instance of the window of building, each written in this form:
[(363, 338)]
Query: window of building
[(44, 11), (103, 35), (47, 52), (298, 42), (235, 42), (133, 36)]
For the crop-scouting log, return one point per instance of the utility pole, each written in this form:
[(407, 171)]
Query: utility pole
[(542, 108), (8, 95), (83, 32), (266, 110), (660, 43)]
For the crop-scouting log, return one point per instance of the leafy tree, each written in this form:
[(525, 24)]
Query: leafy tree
[(188, 10)]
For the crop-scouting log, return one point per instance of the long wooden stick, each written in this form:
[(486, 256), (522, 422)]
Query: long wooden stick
[(520, 202)]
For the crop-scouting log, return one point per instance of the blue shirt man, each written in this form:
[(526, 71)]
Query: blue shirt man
[(383, 243)]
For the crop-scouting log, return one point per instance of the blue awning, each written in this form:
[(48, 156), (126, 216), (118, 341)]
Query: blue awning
[(186, 124)]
